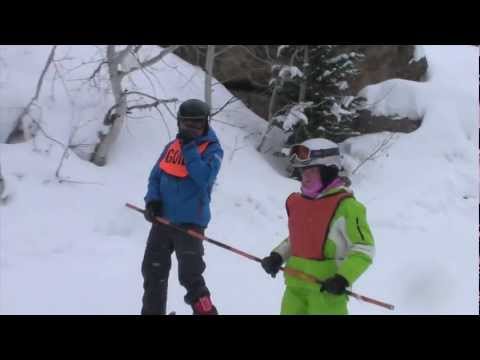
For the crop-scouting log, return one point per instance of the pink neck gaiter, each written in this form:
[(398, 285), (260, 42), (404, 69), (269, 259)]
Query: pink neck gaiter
[(313, 189), (316, 188)]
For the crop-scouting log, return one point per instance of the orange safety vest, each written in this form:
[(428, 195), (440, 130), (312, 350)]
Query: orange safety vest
[(173, 162), (309, 223)]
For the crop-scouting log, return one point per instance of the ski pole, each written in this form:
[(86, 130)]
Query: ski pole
[(197, 235), (292, 272)]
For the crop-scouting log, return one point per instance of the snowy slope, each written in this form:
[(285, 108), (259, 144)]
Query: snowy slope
[(75, 249), (424, 206)]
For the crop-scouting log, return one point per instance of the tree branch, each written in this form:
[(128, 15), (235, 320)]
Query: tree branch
[(158, 57), (63, 180), (160, 101), (144, 72), (150, 105), (97, 70), (68, 71), (370, 106), (170, 111), (255, 55), (18, 122), (66, 148), (163, 119), (46, 135), (382, 145), (228, 47), (226, 123), (229, 102)]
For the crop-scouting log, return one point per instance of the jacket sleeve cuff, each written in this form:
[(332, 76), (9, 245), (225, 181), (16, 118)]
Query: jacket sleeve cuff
[(354, 266)]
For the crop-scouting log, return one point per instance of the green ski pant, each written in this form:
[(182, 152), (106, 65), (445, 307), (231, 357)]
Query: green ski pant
[(311, 301)]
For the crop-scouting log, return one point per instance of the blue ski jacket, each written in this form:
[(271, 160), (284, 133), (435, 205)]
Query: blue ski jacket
[(187, 200)]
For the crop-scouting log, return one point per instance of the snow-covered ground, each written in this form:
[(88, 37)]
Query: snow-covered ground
[(69, 248)]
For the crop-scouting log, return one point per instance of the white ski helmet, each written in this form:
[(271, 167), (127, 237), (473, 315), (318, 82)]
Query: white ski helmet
[(316, 152)]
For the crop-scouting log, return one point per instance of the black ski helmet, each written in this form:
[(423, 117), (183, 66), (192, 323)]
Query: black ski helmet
[(194, 109)]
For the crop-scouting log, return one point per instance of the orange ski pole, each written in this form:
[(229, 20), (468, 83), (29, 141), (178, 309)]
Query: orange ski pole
[(292, 272)]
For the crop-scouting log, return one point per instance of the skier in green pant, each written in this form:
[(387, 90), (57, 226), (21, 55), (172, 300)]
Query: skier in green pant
[(329, 236)]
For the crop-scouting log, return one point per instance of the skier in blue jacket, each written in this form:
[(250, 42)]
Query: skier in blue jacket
[(179, 190)]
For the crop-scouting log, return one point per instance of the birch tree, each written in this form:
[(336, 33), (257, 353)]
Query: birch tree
[(121, 64), (210, 59)]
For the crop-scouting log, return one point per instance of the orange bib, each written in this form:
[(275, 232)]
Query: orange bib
[(173, 162), (309, 223)]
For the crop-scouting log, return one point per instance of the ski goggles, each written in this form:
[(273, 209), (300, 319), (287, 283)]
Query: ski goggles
[(193, 123), (302, 154)]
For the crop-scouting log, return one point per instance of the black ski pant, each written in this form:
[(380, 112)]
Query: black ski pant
[(162, 242)]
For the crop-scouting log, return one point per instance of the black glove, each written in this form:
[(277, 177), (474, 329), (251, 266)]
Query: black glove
[(272, 264), (186, 137), (335, 285), (153, 208)]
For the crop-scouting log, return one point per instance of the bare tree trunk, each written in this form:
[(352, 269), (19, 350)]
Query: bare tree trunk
[(210, 61), (303, 85), (18, 128), (271, 106), (115, 76)]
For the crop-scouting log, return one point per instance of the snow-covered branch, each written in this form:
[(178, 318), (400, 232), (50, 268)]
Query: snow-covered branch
[(155, 103)]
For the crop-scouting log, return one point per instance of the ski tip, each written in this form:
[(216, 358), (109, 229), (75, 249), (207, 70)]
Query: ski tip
[(172, 313)]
